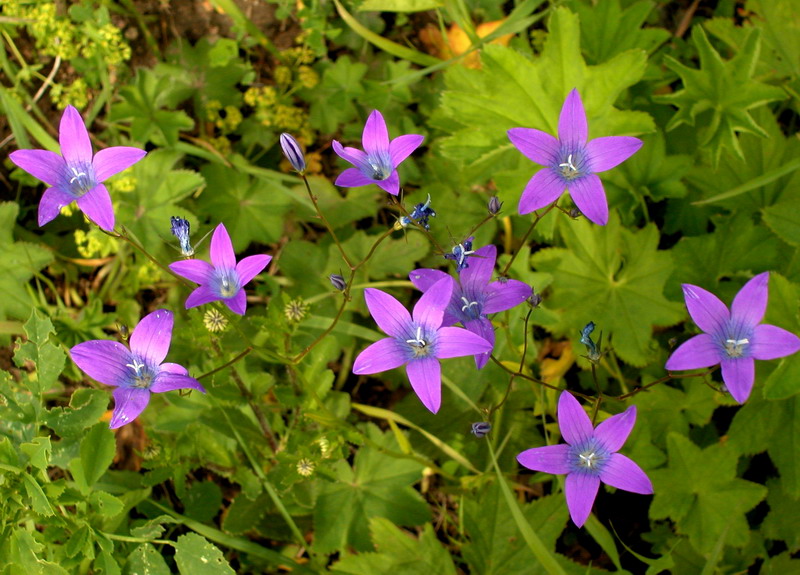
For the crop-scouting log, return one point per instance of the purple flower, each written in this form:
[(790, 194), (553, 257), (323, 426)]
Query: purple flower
[(377, 164), (732, 338), (76, 175), (571, 162), (474, 297), (589, 457), (222, 279), (136, 372), (417, 341)]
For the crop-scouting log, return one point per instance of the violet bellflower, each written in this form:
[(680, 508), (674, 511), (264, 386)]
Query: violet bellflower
[(76, 174), (417, 341), (475, 296), (571, 162), (589, 457), (136, 372), (223, 279), (377, 164), (732, 338)]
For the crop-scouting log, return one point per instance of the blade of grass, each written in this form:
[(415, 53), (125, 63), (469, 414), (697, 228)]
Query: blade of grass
[(753, 184)]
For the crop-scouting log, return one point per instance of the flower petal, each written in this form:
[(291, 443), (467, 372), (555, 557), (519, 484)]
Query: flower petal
[(353, 178), (103, 360), (695, 353), (588, 194), (429, 310), (706, 309), (458, 342), (111, 161), (353, 155), (51, 203), (73, 138), (750, 304), (390, 184), (402, 147), (483, 328), (535, 145), (388, 313), (423, 279), (42, 164), (250, 267), (383, 355), (200, 296), (548, 459), (739, 374), (572, 127), (129, 402), (425, 376), (222, 254), (572, 420), (581, 490), (198, 271), (623, 473), (481, 268), (605, 153), (544, 188), (375, 138), (96, 204), (614, 431), (237, 303), (167, 381), (151, 338), (772, 342), (503, 295)]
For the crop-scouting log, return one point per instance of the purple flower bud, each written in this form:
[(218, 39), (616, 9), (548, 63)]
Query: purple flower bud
[(337, 281), (180, 229), (535, 299), (481, 428), (291, 149), (494, 205)]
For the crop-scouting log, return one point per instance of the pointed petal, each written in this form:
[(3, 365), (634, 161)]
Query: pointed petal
[(222, 254), (238, 303), (402, 147), (535, 145), (572, 127), (96, 204), (151, 338), (695, 353), (198, 271), (388, 313), (383, 355), (750, 304), (482, 327), (73, 138), (614, 431), (772, 342), (458, 342), (353, 178), (621, 472), (429, 310), (706, 309), (200, 296), (548, 459), (251, 266), (588, 194), (739, 375), (51, 203), (42, 164), (375, 138), (544, 188), (103, 360), (581, 490), (174, 368), (353, 155), (390, 184), (572, 420), (423, 279), (605, 153), (111, 161), (425, 376), (481, 268), (167, 381), (505, 295), (129, 402)]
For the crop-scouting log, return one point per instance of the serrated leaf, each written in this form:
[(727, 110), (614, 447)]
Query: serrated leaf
[(48, 358), (105, 504), (195, 555), (39, 501), (145, 560), (202, 500), (38, 452), (783, 218), (86, 406)]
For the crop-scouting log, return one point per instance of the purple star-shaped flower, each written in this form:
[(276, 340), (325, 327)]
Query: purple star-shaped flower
[(474, 296), (732, 338), (76, 175), (589, 457), (417, 341), (136, 372), (377, 164), (223, 279), (571, 162)]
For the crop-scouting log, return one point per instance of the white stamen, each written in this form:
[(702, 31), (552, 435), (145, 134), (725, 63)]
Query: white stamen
[(568, 164), (467, 304), (77, 175), (135, 366), (588, 460), (418, 341)]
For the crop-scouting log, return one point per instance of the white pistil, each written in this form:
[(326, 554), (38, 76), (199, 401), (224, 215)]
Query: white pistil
[(462, 256), (735, 347), (568, 164), (77, 175), (418, 341), (588, 460), (467, 304), (135, 366)]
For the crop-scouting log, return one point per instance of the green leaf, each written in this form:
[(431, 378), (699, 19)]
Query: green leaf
[(783, 521), (202, 500), (783, 218), (726, 89), (39, 501), (333, 99), (86, 406), (145, 560), (48, 358), (614, 277), (195, 555), (97, 452), (105, 504), (701, 493), (38, 452)]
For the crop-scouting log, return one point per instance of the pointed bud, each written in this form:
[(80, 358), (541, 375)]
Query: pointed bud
[(291, 149), (494, 205), (535, 299), (337, 281), (180, 229), (481, 428)]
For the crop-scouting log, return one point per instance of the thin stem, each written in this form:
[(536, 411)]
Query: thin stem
[(325, 221), (527, 235), (224, 365)]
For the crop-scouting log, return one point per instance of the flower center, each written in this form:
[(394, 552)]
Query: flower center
[(227, 284), (419, 346), (568, 168), (378, 167), (80, 179), (736, 347), (590, 456), (143, 376), (471, 309)]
